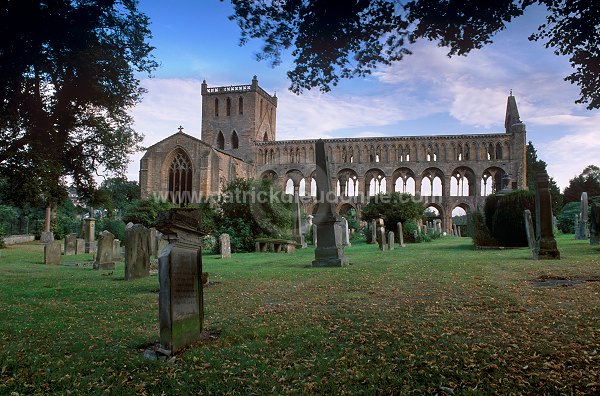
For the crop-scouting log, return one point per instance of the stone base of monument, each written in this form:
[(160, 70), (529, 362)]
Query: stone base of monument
[(46, 237), (104, 266), (330, 257), (546, 249)]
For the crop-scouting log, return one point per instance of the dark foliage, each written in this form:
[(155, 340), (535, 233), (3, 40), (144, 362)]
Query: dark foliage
[(480, 232), (395, 207), (588, 181), (508, 221), (535, 166), (145, 211)]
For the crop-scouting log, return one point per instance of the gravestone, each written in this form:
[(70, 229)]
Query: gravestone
[(137, 252), (345, 231), (104, 254), (153, 242), (454, 230), (400, 235), (390, 240), (79, 246), (181, 304), (70, 244), (583, 218), (161, 243), (117, 255), (309, 220), (90, 235), (225, 246), (46, 237), (576, 226), (314, 235), (545, 244), (595, 224), (530, 232), (52, 253), (297, 234), (381, 240), (329, 251), (372, 236)]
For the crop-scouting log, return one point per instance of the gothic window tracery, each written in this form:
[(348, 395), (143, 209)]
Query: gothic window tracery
[(180, 178)]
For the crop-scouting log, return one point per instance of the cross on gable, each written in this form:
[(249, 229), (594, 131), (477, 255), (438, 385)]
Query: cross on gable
[(180, 129)]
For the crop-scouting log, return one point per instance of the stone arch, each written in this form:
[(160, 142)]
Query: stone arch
[(295, 176), (344, 207), (347, 183), (491, 180), (235, 141), (270, 174), (441, 215), (221, 141), (498, 153), (179, 171), (436, 180), (375, 182), (462, 182), (404, 180), (506, 151)]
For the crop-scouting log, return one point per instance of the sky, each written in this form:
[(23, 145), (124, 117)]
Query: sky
[(427, 93)]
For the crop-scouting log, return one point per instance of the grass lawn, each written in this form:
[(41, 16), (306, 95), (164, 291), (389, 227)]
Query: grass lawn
[(410, 321)]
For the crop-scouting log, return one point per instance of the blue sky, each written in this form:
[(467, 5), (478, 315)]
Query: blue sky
[(425, 94)]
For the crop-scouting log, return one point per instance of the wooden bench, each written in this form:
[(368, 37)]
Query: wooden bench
[(264, 245)]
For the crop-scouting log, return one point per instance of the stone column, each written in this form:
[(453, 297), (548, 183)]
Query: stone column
[(389, 185), (545, 243)]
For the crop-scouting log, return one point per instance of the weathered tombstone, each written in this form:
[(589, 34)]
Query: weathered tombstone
[(345, 231), (381, 239), (329, 251), (390, 240), (153, 242), (530, 232), (70, 244), (373, 231), (104, 254), (52, 253), (576, 226), (161, 243), (595, 224), (297, 234), (459, 229), (454, 230), (225, 246), (314, 235), (181, 304), (583, 218), (117, 256), (90, 235), (79, 246), (46, 237), (400, 235), (137, 252), (545, 244)]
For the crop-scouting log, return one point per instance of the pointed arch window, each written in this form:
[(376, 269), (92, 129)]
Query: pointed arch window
[(266, 137), (216, 107), (241, 106), (235, 142), (180, 178), (221, 141), (228, 107)]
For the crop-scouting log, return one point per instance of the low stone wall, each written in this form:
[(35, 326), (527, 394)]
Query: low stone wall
[(14, 239)]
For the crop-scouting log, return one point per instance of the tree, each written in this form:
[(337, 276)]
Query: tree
[(67, 80), (334, 39), (117, 193), (588, 181), (535, 166), (394, 207)]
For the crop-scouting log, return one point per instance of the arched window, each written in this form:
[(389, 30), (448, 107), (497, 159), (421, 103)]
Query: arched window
[(216, 107), (241, 106), (180, 178), (228, 107), (266, 137), (221, 141), (498, 151), (235, 143)]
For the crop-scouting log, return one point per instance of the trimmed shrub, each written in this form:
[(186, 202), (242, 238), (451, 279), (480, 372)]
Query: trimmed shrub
[(480, 232), (504, 217)]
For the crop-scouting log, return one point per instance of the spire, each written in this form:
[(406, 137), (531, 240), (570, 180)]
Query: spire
[(512, 113)]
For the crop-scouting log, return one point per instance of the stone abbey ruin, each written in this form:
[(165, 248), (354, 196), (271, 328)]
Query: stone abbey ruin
[(238, 139)]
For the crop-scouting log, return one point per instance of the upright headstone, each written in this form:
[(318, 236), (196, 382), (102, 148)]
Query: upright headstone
[(225, 246), (90, 235), (314, 235), (545, 243), (595, 224), (373, 231), (52, 253), (297, 234), (104, 254), (79, 246), (137, 252), (153, 242), (345, 231), (117, 255), (329, 251), (70, 244), (181, 305), (530, 232), (454, 230), (576, 227), (161, 243), (381, 237), (400, 235), (390, 240), (583, 217)]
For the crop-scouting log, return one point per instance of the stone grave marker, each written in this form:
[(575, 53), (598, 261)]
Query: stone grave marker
[(314, 235), (400, 235), (104, 255), (153, 242), (373, 231), (381, 240), (225, 246), (390, 240), (79, 246), (330, 250), (46, 237), (181, 303), (90, 235), (576, 226), (117, 254), (545, 244), (345, 231), (582, 232), (52, 253), (530, 232), (137, 252), (70, 244)]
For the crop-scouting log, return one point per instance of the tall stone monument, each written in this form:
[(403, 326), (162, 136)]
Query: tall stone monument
[(104, 254), (138, 248), (582, 232), (400, 235), (330, 251), (89, 234), (181, 304), (545, 244), (225, 246), (345, 232)]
